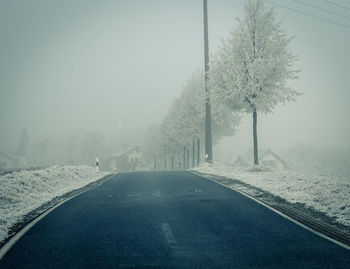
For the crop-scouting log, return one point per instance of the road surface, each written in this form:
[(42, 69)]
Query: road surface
[(169, 220)]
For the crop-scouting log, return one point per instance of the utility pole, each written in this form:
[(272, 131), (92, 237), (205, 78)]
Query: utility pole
[(188, 158), (198, 152), (193, 150), (184, 159), (208, 137)]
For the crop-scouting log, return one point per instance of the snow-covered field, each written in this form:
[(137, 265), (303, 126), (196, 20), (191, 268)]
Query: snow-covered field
[(324, 193), (26, 190)]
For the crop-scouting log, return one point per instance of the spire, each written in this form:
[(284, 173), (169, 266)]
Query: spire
[(22, 145)]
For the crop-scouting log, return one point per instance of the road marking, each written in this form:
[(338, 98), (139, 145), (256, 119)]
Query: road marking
[(170, 238), (156, 194), (133, 194), (276, 211), (168, 234), (5, 248)]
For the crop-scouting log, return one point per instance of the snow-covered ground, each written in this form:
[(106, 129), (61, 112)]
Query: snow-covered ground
[(24, 191), (328, 194)]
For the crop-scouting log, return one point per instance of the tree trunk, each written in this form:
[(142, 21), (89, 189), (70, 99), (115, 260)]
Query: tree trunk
[(255, 137)]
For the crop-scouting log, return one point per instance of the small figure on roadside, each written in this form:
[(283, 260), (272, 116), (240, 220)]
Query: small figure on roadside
[(97, 165)]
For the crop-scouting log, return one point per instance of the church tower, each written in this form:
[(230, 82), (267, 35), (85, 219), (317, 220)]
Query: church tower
[(21, 150)]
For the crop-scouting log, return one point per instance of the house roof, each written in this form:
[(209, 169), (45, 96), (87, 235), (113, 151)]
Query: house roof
[(7, 156), (247, 158), (274, 155), (125, 152), (240, 162)]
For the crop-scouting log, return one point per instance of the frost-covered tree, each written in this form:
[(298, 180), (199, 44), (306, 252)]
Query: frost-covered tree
[(185, 121), (192, 102), (253, 65), (149, 145)]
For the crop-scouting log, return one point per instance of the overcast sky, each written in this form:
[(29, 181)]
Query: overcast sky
[(82, 64)]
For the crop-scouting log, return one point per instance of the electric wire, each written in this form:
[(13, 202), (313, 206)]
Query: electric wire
[(322, 9), (336, 4), (308, 14)]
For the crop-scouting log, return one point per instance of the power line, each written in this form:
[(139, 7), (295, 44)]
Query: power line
[(308, 14), (336, 4), (322, 9)]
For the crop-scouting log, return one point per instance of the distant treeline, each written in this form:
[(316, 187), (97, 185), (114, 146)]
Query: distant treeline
[(79, 147)]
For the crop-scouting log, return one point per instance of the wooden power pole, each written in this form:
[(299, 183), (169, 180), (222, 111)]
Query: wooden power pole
[(208, 136)]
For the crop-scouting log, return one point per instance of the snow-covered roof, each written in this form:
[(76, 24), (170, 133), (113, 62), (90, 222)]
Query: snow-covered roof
[(240, 162), (124, 152), (248, 158), (7, 156), (274, 155)]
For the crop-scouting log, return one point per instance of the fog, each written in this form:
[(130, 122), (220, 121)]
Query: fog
[(116, 66)]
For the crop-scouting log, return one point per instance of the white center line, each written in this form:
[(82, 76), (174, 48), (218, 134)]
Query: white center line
[(168, 234), (157, 193), (170, 238)]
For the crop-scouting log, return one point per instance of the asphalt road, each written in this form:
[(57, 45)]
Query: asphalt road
[(169, 220)]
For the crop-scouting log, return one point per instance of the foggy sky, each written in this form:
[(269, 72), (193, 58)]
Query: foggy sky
[(67, 65)]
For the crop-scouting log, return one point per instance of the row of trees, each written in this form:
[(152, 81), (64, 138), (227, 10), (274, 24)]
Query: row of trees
[(185, 122), (248, 74)]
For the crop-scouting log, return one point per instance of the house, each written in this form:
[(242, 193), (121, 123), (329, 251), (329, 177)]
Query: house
[(270, 159), (7, 161), (19, 160), (21, 150), (125, 161), (267, 158), (240, 162)]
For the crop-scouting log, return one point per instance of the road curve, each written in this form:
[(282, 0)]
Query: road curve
[(169, 220)]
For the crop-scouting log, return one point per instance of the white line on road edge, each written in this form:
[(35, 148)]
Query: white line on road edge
[(278, 212), (26, 228)]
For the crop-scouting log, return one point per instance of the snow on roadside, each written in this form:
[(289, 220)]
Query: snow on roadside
[(26, 190), (324, 193)]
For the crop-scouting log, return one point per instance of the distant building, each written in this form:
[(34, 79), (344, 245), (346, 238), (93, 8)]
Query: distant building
[(21, 150), (240, 162), (125, 161), (19, 159), (272, 160), (267, 158), (7, 161)]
